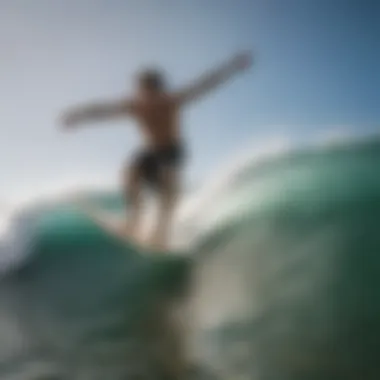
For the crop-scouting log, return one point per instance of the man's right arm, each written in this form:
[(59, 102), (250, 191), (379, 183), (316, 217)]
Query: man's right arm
[(97, 112), (214, 78)]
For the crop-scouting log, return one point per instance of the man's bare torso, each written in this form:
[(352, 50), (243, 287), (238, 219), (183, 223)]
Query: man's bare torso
[(158, 120), (157, 112)]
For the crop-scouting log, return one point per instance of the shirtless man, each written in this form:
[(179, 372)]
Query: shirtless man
[(158, 162)]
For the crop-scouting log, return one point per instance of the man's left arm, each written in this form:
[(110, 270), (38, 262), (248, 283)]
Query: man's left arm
[(97, 112)]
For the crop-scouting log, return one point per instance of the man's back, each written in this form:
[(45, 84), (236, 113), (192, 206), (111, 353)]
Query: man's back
[(158, 119), (155, 109)]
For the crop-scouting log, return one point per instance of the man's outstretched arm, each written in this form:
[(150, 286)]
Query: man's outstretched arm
[(96, 112), (214, 78)]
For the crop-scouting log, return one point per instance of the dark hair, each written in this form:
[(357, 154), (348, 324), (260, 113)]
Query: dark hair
[(152, 79)]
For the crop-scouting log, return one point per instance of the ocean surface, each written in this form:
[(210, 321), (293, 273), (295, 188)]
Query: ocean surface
[(276, 276)]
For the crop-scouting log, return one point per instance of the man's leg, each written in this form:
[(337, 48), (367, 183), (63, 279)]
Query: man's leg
[(132, 194), (168, 194)]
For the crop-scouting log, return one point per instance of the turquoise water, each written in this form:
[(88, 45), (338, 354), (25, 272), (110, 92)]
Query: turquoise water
[(283, 282)]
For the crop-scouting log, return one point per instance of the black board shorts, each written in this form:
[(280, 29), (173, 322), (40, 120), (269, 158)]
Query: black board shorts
[(150, 161)]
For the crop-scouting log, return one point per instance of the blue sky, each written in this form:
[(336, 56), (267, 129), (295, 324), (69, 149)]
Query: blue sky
[(317, 69)]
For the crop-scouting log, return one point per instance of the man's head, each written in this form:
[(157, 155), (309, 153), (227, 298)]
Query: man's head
[(151, 81)]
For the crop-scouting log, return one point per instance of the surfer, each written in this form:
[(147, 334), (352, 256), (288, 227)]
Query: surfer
[(159, 162)]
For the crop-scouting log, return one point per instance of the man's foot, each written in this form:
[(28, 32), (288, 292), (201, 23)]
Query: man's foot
[(158, 243)]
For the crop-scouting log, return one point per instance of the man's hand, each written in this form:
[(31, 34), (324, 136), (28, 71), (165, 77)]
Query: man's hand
[(69, 120), (243, 60)]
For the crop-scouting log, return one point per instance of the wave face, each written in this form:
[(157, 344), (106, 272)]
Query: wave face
[(285, 279)]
